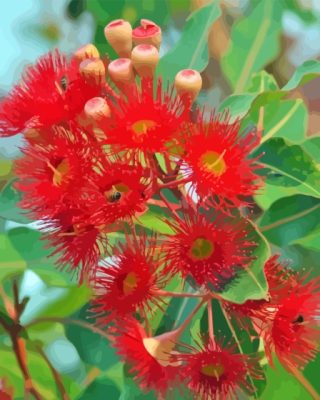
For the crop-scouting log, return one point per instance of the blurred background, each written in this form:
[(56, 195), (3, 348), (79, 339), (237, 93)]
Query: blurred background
[(30, 28)]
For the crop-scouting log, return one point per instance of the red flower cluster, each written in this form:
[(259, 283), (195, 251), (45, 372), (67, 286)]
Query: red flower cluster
[(98, 156)]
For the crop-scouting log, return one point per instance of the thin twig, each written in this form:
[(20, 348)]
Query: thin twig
[(55, 374)]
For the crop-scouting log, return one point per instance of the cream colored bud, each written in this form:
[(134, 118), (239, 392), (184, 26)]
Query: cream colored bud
[(97, 109), (147, 33), (119, 34), (93, 70), (145, 58), (121, 72), (86, 51), (188, 82)]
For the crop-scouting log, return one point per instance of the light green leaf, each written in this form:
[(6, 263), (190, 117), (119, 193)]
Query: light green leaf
[(11, 263), (238, 105), (306, 72), (312, 147), (67, 302), (9, 197), (251, 282), (254, 43), (282, 385), (191, 50), (151, 221), (310, 241)]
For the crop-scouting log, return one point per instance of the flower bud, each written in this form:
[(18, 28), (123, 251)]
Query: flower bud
[(93, 70), (119, 34), (147, 33), (97, 109), (188, 82), (121, 72), (86, 51), (145, 58)]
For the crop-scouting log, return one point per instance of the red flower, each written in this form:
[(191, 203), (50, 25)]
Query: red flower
[(52, 92), (209, 249), (144, 121), (49, 173), (149, 358), (127, 282), (289, 320), (215, 372), (77, 243), (294, 333), (119, 191), (217, 162)]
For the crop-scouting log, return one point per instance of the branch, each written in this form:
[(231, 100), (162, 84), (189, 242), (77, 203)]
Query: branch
[(55, 373)]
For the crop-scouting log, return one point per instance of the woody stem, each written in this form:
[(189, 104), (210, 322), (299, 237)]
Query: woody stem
[(210, 320), (186, 322)]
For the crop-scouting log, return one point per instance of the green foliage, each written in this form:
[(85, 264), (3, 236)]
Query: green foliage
[(9, 197), (101, 388), (191, 50), (254, 43), (92, 348)]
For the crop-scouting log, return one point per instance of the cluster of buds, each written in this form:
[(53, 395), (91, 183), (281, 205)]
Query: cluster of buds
[(105, 146)]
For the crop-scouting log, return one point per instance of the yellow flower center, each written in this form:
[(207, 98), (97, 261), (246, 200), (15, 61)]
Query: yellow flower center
[(201, 249), (140, 128), (213, 370), (129, 283), (59, 172), (213, 163)]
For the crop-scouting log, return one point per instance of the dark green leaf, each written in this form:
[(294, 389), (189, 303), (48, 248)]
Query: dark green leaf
[(289, 166), (9, 197), (93, 349), (99, 389), (290, 218)]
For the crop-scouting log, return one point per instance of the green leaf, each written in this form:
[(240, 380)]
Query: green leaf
[(238, 105), (312, 147), (41, 375), (290, 166), (93, 349), (66, 302), (305, 73), (191, 50), (29, 245), (100, 388), (254, 43), (261, 82), (282, 118), (251, 282), (11, 263), (290, 219), (9, 197), (282, 385), (310, 241), (131, 391), (151, 221)]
